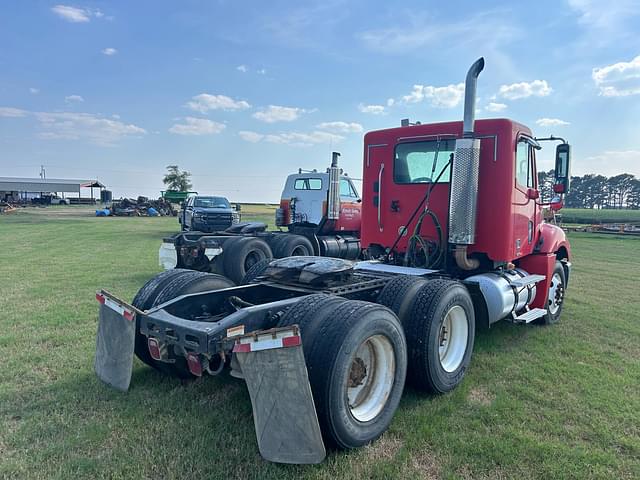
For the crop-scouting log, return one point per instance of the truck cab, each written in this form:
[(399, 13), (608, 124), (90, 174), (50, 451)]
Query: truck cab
[(304, 201)]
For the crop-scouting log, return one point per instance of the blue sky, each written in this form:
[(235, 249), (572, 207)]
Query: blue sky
[(242, 93)]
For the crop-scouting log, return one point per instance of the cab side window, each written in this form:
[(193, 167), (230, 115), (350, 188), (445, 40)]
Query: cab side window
[(346, 190), (524, 162)]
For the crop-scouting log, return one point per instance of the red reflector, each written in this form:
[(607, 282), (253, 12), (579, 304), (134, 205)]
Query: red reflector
[(129, 315), (242, 348), (100, 298), (154, 348), (291, 341), (195, 367)]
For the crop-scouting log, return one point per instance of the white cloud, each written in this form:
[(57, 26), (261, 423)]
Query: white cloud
[(276, 113), (419, 31), (73, 98), (75, 14), (602, 14), (340, 127), (197, 126), (34, 91), (295, 139), (496, 107), (610, 163), (442, 97), (390, 102), (242, 68), (372, 109), (204, 102), (11, 112), (551, 122), (85, 126), (618, 80), (537, 88), (262, 71), (109, 51), (252, 137)]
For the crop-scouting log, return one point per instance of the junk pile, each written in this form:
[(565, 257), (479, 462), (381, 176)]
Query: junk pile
[(6, 207), (140, 207)]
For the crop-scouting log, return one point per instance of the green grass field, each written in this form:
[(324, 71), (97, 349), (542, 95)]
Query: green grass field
[(537, 402), (589, 216)]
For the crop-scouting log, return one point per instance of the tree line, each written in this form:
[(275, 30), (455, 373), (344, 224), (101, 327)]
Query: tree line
[(595, 191)]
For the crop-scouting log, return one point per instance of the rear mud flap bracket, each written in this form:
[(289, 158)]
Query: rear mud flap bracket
[(284, 413)]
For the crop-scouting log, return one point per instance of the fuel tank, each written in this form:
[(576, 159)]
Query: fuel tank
[(501, 294)]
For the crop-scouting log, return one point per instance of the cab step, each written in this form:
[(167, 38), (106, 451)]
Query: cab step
[(526, 281), (530, 315)]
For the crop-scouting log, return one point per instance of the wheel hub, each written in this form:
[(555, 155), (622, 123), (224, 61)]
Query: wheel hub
[(453, 338), (371, 377), (556, 294), (358, 372)]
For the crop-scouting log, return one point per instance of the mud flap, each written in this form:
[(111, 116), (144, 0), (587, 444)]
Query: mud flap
[(284, 413), (115, 342)]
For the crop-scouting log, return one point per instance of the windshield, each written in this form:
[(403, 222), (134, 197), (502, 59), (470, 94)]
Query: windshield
[(414, 162), (211, 202)]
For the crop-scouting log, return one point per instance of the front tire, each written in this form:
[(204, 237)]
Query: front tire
[(555, 297)]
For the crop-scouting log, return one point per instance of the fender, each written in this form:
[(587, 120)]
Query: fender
[(552, 245), (552, 239)]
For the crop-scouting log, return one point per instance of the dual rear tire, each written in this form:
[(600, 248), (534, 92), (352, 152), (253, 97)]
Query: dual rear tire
[(438, 320), (163, 287), (356, 359)]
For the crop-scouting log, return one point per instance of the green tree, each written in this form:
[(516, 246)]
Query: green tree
[(177, 180)]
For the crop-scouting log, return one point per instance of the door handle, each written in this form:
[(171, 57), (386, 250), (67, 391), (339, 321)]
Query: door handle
[(380, 197)]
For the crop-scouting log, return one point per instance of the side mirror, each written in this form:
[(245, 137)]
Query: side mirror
[(533, 194), (556, 203), (562, 171), (237, 207)]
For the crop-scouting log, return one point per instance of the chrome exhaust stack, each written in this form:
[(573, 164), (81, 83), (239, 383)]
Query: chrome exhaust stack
[(333, 201), (464, 177)]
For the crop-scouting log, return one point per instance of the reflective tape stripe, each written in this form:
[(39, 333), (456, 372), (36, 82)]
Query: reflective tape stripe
[(267, 344), (116, 307)]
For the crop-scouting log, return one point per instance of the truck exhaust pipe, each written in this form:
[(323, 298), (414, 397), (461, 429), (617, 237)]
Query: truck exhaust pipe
[(333, 200), (464, 177), (470, 88)]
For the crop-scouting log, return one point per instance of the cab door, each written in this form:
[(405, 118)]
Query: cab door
[(525, 194), (349, 220)]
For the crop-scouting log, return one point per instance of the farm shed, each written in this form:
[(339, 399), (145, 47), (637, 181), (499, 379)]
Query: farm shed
[(16, 188)]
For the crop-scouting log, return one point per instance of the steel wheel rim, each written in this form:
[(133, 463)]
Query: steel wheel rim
[(453, 338), (251, 260), (556, 293), (299, 251), (371, 377)]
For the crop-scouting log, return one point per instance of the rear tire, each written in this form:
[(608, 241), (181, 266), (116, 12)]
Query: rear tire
[(292, 245), (440, 330), (162, 288), (243, 254), (356, 357), (255, 271), (144, 301)]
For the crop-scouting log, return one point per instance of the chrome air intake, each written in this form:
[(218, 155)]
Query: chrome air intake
[(466, 166)]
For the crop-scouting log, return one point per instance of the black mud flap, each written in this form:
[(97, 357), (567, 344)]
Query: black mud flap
[(115, 341), (284, 413)]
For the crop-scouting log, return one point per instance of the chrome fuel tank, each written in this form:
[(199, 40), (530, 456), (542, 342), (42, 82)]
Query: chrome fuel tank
[(501, 295)]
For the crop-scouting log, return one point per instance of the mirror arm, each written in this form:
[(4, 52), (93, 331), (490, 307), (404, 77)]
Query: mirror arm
[(550, 138)]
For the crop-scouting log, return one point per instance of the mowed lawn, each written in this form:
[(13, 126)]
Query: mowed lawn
[(537, 402)]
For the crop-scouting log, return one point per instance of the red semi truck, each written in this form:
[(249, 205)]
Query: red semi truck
[(454, 240)]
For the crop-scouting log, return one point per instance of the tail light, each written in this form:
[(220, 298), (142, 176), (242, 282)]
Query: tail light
[(283, 214)]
